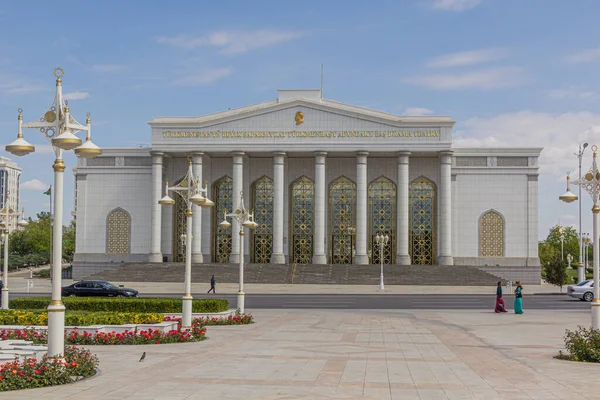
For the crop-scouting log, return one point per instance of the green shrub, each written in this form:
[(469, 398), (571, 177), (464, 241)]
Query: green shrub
[(123, 304), (583, 344), (78, 318), (42, 273)]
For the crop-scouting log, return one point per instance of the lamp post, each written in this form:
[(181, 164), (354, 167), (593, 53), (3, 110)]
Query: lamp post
[(381, 242), (244, 218), (59, 127), (591, 183), (7, 214), (561, 232), (191, 192)]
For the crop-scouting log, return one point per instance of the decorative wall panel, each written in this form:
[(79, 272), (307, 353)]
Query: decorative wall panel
[(223, 198), (302, 198), (422, 216), (118, 232), (342, 220), (382, 219), (263, 193), (491, 234)]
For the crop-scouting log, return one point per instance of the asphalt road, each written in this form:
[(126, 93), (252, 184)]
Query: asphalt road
[(385, 301)]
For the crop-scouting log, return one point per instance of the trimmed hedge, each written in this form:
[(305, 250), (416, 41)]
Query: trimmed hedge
[(78, 318), (122, 304)]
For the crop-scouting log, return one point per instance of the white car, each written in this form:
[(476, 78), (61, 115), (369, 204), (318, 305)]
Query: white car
[(582, 291)]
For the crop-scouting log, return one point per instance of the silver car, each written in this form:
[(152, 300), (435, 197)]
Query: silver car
[(582, 291)]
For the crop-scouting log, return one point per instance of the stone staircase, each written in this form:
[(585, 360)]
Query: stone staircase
[(300, 274)]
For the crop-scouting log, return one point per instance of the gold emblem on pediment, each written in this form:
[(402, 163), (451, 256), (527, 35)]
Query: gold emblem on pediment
[(299, 118)]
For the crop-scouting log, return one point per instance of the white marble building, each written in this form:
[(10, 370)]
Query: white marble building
[(323, 179), (10, 188)]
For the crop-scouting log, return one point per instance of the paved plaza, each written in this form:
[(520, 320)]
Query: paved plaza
[(326, 354)]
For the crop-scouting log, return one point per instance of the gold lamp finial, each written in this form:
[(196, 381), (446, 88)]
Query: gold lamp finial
[(58, 73), (595, 150)]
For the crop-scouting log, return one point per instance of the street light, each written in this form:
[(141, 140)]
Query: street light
[(5, 225), (59, 127), (561, 232), (591, 184), (244, 219), (190, 190), (381, 241)]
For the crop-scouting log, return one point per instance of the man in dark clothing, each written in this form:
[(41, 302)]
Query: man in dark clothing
[(500, 306), (212, 284)]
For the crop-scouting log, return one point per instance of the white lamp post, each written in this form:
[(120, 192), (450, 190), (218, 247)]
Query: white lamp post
[(591, 183), (569, 259), (381, 241), (244, 219), (7, 214), (191, 191), (561, 232), (59, 127)]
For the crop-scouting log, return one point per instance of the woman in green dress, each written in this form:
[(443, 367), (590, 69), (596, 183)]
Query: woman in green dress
[(519, 298)]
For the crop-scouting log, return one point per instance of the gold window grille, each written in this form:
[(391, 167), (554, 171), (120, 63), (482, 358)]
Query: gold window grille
[(491, 234), (179, 224), (342, 220), (263, 192), (382, 213), (223, 198), (302, 206), (118, 232), (422, 200)]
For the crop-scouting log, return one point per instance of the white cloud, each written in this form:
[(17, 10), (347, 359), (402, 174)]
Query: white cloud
[(204, 77), (467, 58), (233, 42), (481, 79), (107, 67), (417, 111), (76, 95), (585, 55), (34, 184), (559, 134), (454, 5), (573, 92)]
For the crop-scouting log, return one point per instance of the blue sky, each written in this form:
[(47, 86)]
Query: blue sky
[(510, 72)]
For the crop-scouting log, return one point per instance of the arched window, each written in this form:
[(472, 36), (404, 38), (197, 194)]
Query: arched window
[(422, 200), (223, 198), (118, 232), (342, 221), (491, 234), (302, 209), (382, 219), (263, 192)]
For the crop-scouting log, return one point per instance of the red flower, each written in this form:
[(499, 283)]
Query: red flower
[(157, 342), (37, 372)]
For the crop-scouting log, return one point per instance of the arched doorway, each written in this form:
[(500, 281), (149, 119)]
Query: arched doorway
[(382, 219), (422, 217), (342, 220), (179, 224), (302, 206), (223, 198), (263, 192), (491, 234)]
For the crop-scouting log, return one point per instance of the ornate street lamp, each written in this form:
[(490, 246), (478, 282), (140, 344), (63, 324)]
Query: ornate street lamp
[(591, 183), (244, 219), (5, 227), (190, 191), (381, 241), (59, 127)]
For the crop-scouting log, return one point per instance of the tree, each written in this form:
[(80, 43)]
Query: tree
[(546, 252), (556, 272), (570, 244)]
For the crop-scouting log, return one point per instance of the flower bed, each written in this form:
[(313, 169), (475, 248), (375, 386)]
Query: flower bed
[(123, 304), (78, 318), (149, 336), (238, 319), (32, 373), (582, 344)]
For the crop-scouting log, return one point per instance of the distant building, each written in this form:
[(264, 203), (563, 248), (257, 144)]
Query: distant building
[(10, 176)]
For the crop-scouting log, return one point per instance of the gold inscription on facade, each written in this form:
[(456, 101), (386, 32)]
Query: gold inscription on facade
[(300, 134)]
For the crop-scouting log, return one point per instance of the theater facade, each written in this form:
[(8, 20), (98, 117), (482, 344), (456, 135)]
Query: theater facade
[(323, 179)]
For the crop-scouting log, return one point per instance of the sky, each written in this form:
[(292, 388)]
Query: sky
[(510, 73)]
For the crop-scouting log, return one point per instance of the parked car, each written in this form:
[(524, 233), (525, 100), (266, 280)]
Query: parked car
[(97, 288), (582, 291)]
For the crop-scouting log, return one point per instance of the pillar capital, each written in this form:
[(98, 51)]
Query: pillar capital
[(446, 156), (278, 157), (320, 156), (403, 157), (361, 157)]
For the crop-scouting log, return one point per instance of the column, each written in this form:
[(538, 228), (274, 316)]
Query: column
[(319, 256), (238, 181), (361, 209), (402, 206), (445, 254), (197, 217), (157, 191), (278, 173)]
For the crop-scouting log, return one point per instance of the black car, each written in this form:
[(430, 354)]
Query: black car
[(97, 288)]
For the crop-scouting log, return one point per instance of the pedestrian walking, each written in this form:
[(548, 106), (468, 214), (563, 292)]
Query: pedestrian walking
[(500, 305), (213, 283), (519, 298)]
